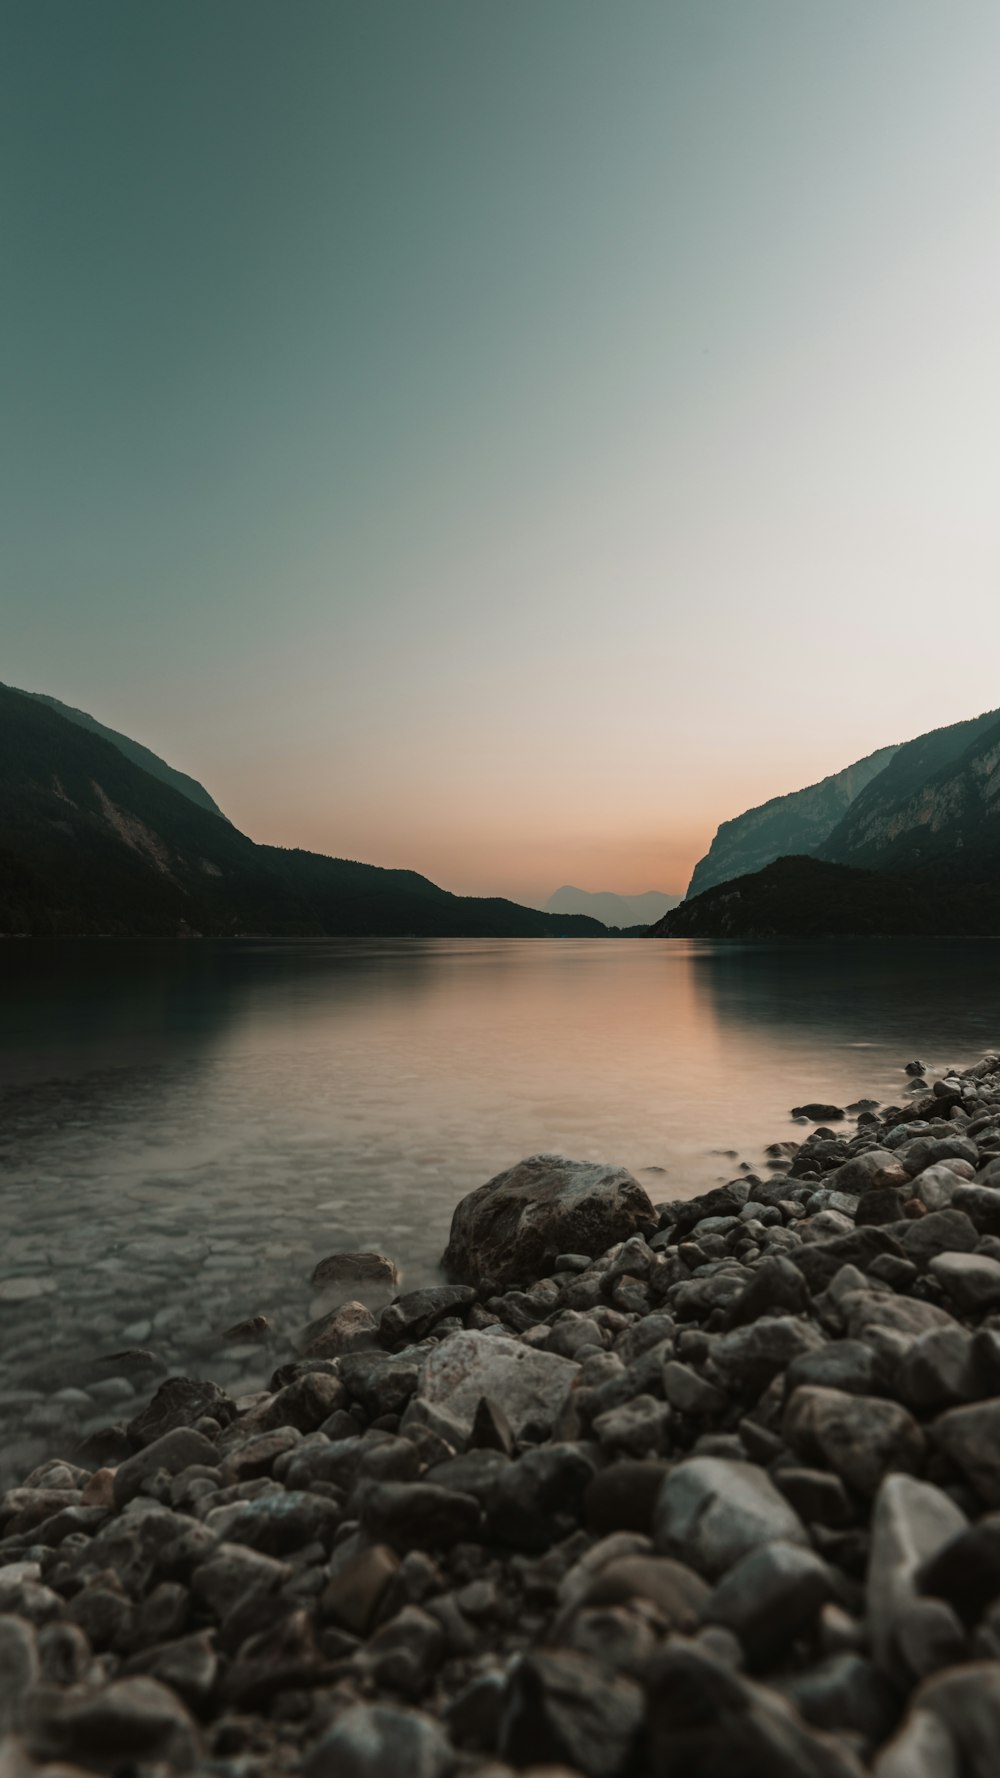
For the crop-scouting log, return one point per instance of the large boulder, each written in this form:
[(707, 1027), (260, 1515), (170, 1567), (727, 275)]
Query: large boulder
[(512, 1228)]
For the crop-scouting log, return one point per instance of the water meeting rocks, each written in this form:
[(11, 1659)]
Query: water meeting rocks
[(512, 1228), (712, 1491)]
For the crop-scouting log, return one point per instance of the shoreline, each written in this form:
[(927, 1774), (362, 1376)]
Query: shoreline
[(716, 1490)]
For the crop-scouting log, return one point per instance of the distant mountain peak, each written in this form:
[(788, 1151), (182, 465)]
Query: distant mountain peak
[(612, 909)]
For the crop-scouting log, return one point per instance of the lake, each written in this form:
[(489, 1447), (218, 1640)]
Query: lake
[(188, 1127)]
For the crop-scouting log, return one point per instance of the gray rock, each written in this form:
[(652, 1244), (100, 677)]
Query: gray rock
[(912, 1521), (690, 1393), (712, 1511), (861, 1437), (971, 1438), (770, 1597), (938, 1370), (350, 1328), (966, 1700), (939, 1232), (511, 1228), (380, 1741), (845, 1691), (361, 1275), (525, 1384), (922, 1748), (173, 1452), (623, 1496), (382, 1381), (409, 1515), (411, 1317), (849, 1365), (704, 1720), (356, 1590), (856, 1175), (966, 1571), (981, 1204), (537, 1500), (971, 1280), (19, 1669), (564, 1709), (750, 1356), (180, 1401), (638, 1427), (130, 1721)]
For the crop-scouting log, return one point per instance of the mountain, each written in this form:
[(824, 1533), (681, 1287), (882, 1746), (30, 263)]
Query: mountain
[(939, 796), (614, 910), (91, 842), (133, 750), (797, 823), (918, 851)]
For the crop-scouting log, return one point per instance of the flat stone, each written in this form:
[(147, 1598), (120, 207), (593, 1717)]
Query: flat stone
[(713, 1510), (526, 1385)]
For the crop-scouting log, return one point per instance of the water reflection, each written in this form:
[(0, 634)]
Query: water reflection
[(187, 1128)]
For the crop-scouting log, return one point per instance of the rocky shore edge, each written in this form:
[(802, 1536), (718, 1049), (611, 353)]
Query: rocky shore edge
[(702, 1489)]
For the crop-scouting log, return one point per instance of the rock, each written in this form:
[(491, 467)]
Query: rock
[(234, 1575), (525, 1384), (563, 1708), (820, 1261), (418, 1515), (922, 1748), (749, 1357), (939, 1232), (706, 1721), (173, 1452), (848, 1365), (770, 1597), (971, 1438), (511, 1228), (412, 1317), (130, 1721), (862, 1437), (279, 1523), (818, 1497), (304, 1403), (713, 1510), (19, 1669), (405, 1652), (690, 1393), (355, 1591), (638, 1427), (857, 1175), (965, 1572), (359, 1275), (912, 1521), (188, 1665), (680, 1595), (491, 1429), (623, 1497), (349, 1328), (966, 1700), (380, 1741), (845, 1691), (382, 1382), (971, 1280), (535, 1500), (776, 1284), (981, 1204), (725, 1200), (938, 1370), (817, 1113), (180, 1401)]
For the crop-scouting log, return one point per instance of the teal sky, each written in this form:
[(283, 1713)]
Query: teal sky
[(502, 437)]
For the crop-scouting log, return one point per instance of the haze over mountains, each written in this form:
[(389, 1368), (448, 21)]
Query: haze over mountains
[(916, 850), (613, 910), (93, 842)]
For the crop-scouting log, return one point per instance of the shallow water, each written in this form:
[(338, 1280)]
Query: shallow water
[(187, 1128)]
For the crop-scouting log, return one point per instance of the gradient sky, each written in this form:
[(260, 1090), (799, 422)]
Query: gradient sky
[(502, 437)]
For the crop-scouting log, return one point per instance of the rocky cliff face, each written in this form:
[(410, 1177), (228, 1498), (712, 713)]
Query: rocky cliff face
[(794, 824), (938, 798)]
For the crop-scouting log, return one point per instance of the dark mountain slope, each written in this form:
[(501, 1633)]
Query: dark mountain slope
[(92, 843), (937, 802), (810, 898), (133, 750), (796, 823)]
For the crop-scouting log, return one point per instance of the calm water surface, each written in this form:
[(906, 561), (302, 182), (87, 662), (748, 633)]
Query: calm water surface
[(187, 1128)]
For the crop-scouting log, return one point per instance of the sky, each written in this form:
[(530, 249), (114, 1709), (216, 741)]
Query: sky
[(503, 438)]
